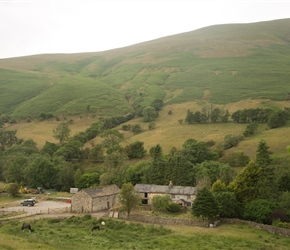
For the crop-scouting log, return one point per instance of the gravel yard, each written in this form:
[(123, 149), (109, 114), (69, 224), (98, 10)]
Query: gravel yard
[(41, 207)]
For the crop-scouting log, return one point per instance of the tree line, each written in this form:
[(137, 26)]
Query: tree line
[(274, 118)]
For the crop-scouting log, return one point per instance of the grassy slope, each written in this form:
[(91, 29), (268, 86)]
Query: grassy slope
[(169, 132), (222, 64), (57, 234), (230, 66)]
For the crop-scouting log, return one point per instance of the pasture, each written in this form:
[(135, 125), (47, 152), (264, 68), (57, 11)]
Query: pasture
[(169, 132), (75, 233)]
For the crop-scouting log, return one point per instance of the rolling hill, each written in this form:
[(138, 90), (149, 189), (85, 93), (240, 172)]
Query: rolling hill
[(219, 64), (231, 66)]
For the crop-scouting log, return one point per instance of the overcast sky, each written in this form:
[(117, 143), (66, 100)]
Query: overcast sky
[(48, 26)]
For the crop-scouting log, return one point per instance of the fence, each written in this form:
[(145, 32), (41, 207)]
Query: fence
[(22, 212)]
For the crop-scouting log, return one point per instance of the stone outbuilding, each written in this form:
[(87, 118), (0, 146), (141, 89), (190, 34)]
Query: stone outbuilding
[(182, 195), (95, 199)]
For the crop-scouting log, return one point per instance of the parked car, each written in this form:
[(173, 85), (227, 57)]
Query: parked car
[(29, 203)]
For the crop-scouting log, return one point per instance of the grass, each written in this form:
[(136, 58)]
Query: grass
[(234, 67), (232, 63), (169, 132), (75, 233), (10, 214)]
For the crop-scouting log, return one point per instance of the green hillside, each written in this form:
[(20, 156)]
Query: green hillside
[(219, 64)]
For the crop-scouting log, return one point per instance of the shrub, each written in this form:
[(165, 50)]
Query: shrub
[(160, 203), (173, 208), (151, 125), (13, 189), (279, 223)]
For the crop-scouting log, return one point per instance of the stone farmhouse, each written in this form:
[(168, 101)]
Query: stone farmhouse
[(95, 199), (183, 195)]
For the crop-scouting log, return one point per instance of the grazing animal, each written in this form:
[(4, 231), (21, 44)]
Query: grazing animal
[(95, 228), (103, 223), (26, 226)]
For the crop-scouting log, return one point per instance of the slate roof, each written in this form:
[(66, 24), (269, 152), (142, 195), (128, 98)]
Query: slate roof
[(102, 191), (165, 189)]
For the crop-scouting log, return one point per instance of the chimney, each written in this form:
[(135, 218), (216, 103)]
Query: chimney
[(170, 184)]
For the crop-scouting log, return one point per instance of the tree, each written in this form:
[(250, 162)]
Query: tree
[(15, 167), (160, 203), (215, 115), (137, 173), (135, 150), (66, 177), (96, 154), (245, 184), (128, 197), (232, 140), (112, 139), (136, 128), (284, 182), (61, 132), (263, 154), (88, 180), (277, 119), (205, 205), (149, 114), (230, 207), (218, 186), (41, 173), (49, 148), (156, 152), (7, 139), (157, 104), (284, 202), (180, 170), (13, 189), (189, 117), (197, 152), (236, 159), (70, 151), (251, 129), (259, 211)]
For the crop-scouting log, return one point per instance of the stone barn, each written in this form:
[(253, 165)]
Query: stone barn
[(95, 199), (182, 195)]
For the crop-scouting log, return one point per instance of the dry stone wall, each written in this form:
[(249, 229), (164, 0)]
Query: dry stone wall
[(271, 229), (195, 222)]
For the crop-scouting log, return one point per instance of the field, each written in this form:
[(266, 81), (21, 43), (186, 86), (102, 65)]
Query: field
[(75, 233), (169, 132)]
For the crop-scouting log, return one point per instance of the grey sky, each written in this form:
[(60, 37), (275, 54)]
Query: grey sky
[(41, 26)]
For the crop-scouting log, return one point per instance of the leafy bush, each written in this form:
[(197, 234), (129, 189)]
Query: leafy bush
[(258, 210), (232, 140), (279, 223), (173, 208), (160, 203)]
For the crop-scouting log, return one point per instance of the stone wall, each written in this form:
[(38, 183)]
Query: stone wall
[(81, 203), (194, 222), (271, 229)]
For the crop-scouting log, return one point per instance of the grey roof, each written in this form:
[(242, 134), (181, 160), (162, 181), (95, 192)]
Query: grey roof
[(164, 189), (102, 191)]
